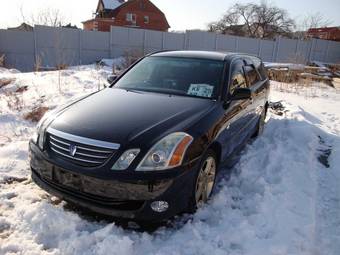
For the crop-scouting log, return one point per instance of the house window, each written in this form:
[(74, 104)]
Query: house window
[(95, 26), (142, 5), (146, 19), (131, 17)]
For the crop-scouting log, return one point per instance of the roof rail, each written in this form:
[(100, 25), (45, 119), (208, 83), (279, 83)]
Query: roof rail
[(158, 51)]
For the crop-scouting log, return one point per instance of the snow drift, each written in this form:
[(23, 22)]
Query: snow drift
[(283, 196)]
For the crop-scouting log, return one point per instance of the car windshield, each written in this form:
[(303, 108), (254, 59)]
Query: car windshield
[(175, 75)]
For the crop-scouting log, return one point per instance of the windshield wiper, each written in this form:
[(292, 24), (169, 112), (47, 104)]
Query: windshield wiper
[(169, 92)]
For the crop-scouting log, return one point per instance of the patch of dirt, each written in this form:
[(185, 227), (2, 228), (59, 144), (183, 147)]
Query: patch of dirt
[(10, 195), (325, 151), (54, 200), (22, 89), (4, 140), (11, 180), (14, 101), (36, 114), (5, 231), (5, 81), (278, 108)]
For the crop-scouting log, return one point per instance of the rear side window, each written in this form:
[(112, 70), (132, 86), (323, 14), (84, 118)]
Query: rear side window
[(252, 75), (260, 67), (263, 72), (238, 79)]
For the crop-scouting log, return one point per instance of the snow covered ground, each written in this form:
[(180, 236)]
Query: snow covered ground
[(282, 198)]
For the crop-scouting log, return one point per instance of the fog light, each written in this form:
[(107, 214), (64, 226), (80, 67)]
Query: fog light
[(159, 206)]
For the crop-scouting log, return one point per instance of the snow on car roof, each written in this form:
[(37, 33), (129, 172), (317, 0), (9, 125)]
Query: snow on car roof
[(112, 4)]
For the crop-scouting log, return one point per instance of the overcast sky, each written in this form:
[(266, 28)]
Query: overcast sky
[(181, 14)]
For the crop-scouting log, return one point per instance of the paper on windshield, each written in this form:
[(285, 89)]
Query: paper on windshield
[(202, 90)]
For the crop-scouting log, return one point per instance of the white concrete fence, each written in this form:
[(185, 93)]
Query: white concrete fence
[(49, 47)]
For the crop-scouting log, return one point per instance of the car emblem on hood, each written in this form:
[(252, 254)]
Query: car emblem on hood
[(73, 150)]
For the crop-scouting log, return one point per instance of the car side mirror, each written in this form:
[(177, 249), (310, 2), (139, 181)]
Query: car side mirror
[(241, 94), (111, 78)]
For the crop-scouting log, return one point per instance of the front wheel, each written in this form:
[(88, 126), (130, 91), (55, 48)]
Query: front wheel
[(205, 181)]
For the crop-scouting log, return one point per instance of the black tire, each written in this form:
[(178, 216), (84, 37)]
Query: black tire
[(261, 123), (195, 202)]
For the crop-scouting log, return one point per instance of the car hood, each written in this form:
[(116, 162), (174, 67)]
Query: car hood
[(121, 116)]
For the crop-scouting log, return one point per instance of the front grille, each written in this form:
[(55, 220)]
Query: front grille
[(86, 154)]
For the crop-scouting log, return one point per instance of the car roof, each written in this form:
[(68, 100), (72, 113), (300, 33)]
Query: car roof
[(211, 55)]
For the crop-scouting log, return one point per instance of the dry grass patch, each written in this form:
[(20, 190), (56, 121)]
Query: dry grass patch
[(22, 89), (61, 67), (14, 101), (36, 114), (5, 81), (130, 57)]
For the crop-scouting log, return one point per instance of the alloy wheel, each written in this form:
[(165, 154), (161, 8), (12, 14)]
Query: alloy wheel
[(205, 181)]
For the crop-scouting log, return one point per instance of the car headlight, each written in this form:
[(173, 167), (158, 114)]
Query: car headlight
[(35, 135), (42, 131), (38, 136), (167, 153), (39, 132), (125, 159)]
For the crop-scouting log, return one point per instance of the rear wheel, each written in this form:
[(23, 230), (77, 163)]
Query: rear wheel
[(260, 125), (205, 181)]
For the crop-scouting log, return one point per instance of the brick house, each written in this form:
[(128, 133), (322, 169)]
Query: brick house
[(132, 13), (325, 33), (22, 27)]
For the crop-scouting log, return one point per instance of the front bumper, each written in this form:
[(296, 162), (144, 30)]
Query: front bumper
[(123, 195)]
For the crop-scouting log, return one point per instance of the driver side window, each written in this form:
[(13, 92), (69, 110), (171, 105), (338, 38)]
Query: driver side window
[(238, 79)]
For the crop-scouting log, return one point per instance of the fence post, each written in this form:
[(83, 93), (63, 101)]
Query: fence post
[(80, 47), (236, 43), (297, 51), (35, 47), (276, 49), (216, 41), (144, 41), (110, 42), (260, 48), (163, 40), (325, 58), (311, 50), (185, 44)]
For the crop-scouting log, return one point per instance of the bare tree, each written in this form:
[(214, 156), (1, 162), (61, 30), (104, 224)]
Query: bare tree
[(262, 20), (314, 20), (229, 23), (46, 17)]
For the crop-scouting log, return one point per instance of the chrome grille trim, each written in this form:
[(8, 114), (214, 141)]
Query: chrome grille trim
[(83, 140), (89, 152), (93, 150), (59, 147), (88, 155), (80, 147), (59, 141), (77, 159)]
